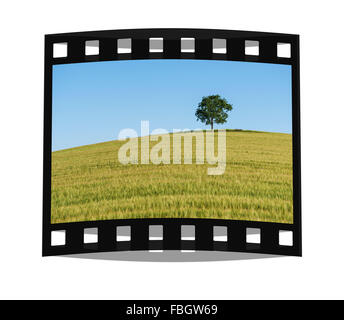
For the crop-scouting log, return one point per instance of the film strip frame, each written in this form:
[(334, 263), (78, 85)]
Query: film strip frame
[(237, 230)]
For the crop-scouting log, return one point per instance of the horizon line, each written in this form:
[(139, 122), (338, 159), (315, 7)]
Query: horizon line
[(177, 132)]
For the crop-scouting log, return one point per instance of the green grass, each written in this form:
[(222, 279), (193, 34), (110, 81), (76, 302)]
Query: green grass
[(89, 183)]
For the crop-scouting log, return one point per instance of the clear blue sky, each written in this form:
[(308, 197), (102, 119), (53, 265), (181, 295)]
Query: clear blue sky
[(92, 102)]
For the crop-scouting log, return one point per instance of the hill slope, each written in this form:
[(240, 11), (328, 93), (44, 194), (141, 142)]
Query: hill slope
[(89, 183)]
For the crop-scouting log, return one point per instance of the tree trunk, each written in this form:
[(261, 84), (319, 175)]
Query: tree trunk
[(212, 124)]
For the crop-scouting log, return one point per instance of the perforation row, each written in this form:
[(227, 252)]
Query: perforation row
[(220, 233), (124, 46)]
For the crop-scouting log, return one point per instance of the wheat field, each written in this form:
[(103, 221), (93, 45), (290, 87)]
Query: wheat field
[(89, 183)]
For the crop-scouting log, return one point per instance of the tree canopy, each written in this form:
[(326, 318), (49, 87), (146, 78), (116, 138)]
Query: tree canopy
[(213, 109)]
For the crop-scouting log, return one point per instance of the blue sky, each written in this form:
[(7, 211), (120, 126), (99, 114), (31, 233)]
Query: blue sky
[(92, 102)]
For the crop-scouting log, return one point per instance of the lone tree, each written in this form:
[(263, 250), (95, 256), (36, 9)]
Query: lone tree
[(213, 109)]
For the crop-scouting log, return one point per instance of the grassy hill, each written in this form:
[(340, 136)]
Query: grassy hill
[(89, 183)]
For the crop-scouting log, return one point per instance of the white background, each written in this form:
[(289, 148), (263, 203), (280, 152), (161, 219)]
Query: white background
[(25, 274)]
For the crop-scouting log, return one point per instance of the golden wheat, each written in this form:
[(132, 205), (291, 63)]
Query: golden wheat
[(89, 183)]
